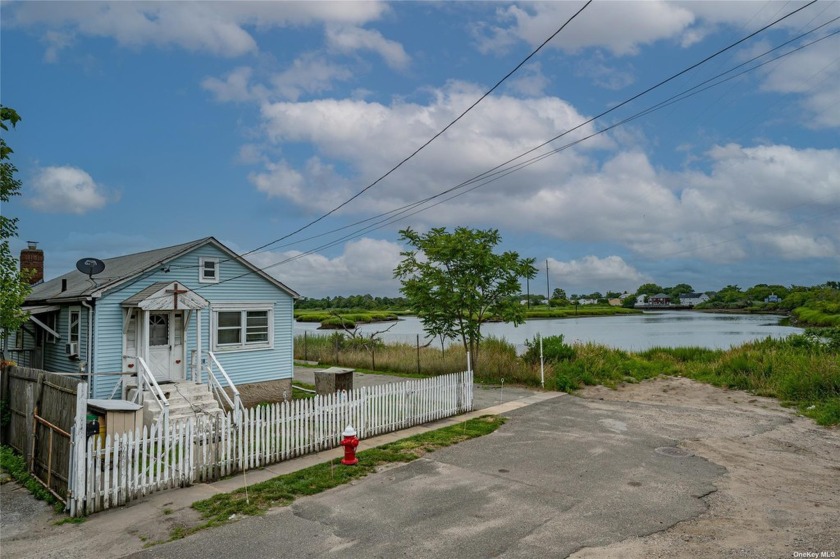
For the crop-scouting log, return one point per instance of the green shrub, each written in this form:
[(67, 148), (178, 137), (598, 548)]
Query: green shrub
[(554, 350)]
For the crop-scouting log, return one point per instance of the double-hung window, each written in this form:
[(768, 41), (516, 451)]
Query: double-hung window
[(74, 326), (241, 326), (51, 320), (208, 270)]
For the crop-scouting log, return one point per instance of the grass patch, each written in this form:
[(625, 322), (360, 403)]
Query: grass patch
[(70, 520), (15, 465), (283, 490), (578, 311), (300, 394)]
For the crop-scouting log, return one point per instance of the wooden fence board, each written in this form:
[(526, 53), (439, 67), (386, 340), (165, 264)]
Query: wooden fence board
[(44, 443)]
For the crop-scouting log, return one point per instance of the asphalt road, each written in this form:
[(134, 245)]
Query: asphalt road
[(562, 474)]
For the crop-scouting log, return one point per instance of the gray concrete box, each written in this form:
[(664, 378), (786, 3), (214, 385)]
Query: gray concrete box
[(333, 379)]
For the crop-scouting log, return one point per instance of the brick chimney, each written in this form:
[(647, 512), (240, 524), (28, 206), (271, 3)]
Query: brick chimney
[(32, 259)]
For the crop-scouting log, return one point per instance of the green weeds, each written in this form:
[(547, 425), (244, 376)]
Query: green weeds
[(283, 490), (15, 465)]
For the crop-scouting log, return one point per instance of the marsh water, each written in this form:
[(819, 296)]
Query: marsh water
[(629, 332)]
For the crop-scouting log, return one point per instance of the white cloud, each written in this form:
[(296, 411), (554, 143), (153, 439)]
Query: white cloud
[(591, 273), (814, 75), (366, 266), (368, 138), (65, 190), (530, 81), (641, 23), (234, 87), (349, 39), (281, 180), (795, 246), (713, 215), (308, 74), (603, 74), (215, 27)]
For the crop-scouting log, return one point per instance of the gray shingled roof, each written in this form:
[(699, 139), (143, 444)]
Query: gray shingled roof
[(121, 268)]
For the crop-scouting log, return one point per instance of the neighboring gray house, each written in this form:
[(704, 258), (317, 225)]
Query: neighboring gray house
[(692, 299), (184, 313)]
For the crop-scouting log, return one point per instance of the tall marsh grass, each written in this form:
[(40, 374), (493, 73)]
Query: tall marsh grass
[(801, 370)]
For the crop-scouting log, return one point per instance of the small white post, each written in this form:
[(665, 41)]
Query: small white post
[(197, 371), (542, 364), (469, 363), (78, 458)]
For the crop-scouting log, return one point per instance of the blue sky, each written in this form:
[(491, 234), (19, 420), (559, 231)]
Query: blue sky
[(151, 124)]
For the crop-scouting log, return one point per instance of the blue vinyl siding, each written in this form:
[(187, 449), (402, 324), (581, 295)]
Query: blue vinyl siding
[(55, 354), (242, 366)]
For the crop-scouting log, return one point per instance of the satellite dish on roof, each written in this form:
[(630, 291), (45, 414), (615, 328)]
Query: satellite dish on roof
[(90, 266)]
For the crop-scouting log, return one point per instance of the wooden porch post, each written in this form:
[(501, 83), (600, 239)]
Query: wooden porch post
[(144, 336), (198, 345)]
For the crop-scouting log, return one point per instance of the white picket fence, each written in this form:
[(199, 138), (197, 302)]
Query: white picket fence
[(113, 471)]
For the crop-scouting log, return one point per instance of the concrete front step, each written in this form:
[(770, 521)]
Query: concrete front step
[(186, 399)]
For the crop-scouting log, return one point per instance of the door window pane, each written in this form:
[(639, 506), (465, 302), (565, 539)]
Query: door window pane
[(179, 329), (159, 329)]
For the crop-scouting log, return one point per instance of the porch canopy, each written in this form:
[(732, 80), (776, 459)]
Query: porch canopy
[(155, 325), (41, 309), (166, 296)]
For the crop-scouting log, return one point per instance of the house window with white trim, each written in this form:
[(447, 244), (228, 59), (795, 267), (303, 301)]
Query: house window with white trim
[(243, 326), (208, 270), (75, 326), (51, 320)]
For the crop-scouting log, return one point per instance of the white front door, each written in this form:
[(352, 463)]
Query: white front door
[(166, 345)]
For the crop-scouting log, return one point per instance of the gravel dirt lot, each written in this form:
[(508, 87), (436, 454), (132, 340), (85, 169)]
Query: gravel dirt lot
[(781, 491)]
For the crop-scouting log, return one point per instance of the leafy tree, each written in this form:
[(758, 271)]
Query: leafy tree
[(629, 302), (730, 294), (558, 293), (679, 289), (13, 287), (456, 282), (649, 289), (761, 291)]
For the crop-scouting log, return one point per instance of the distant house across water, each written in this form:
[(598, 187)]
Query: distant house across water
[(693, 299)]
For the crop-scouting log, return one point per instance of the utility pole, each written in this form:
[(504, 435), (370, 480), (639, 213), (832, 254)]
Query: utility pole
[(547, 287), (528, 291)]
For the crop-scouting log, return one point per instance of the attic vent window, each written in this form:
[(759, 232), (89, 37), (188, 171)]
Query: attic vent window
[(208, 270)]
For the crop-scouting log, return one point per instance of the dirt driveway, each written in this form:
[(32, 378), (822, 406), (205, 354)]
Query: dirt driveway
[(781, 491)]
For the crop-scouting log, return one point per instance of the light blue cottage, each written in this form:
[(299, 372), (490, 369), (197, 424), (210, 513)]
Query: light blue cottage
[(163, 320)]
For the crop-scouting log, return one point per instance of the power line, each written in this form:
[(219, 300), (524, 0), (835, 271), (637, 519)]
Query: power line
[(430, 140), (673, 99), (424, 145), (500, 171)]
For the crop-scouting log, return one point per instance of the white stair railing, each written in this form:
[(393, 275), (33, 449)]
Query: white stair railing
[(146, 381), (211, 366)]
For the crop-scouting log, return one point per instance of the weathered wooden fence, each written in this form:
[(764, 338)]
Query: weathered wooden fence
[(112, 471), (39, 411)]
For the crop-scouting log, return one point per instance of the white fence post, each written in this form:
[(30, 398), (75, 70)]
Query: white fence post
[(76, 483), (124, 467)]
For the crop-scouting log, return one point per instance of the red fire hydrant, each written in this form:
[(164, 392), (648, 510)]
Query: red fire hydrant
[(349, 442)]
